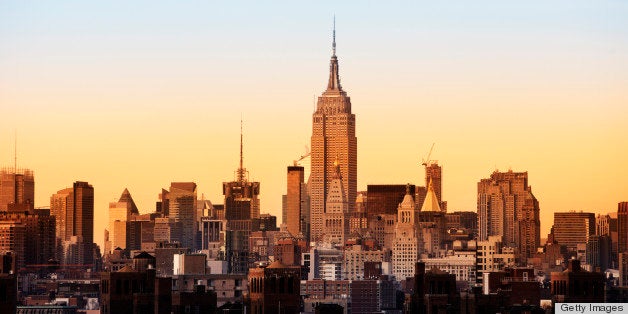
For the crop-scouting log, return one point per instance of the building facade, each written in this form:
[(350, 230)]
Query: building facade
[(507, 207), (296, 193), (333, 138), (408, 242), (573, 228), (622, 227), (17, 189), (74, 212)]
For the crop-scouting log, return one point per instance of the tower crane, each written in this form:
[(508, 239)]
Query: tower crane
[(307, 154), (426, 161)]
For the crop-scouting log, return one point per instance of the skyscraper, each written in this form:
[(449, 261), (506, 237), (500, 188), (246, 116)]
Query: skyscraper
[(17, 189), (297, 202), (333, 138), (182, 208), (74, 212), (119, 213), (622, 227), (241, 207), (507, 207), (573, 228)]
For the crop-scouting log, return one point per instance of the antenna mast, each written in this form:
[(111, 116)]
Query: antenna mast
[(15, 153), (333, 45), (241, 170)]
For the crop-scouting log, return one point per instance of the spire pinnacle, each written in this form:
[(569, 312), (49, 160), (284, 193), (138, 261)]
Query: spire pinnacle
[(333, 45), (241, 170), (334, 76)]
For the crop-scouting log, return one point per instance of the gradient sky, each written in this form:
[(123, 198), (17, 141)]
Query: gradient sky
[(136, 94)]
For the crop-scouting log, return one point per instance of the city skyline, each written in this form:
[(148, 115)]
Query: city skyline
[(147, 101)]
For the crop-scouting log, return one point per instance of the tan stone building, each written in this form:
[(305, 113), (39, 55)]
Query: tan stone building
[(333, 138), (507, 207), (407, 245)]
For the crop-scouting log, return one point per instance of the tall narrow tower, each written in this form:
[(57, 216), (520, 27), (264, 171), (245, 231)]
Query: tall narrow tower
[(333, 138)]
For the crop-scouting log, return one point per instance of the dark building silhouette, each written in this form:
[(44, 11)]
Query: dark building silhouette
[(575, 285), (599, 252), (385, 198), (463, 220), (622, 227), (329, 308), (434, 291), (130, 291), (275, 289), (8, 293), (514, 286), (265, 222), (241, 206)]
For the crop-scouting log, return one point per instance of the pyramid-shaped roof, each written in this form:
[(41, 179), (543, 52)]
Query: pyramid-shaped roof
[(126, 197), (431, 201)]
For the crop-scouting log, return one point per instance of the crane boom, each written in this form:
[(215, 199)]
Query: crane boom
[(427, 160), (307, 154)]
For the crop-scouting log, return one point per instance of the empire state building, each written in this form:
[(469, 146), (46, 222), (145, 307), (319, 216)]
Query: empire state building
[(333, 141)]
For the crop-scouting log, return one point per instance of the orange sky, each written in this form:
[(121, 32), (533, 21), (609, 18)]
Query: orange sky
[(123, 101)]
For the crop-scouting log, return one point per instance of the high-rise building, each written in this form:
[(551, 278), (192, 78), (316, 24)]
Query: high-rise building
[(407, 244), (119, 213), (241, 207), (507, 207), (333, 138), (12, 235), (434, 174), (182, 208), (74, 212), (622, 227), (573, 228), (17, 189), (297, 202), (32, 234)]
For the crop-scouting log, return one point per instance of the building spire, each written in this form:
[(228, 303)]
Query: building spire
[(241, 170), (15, 154), (334, 75), (333, 45)]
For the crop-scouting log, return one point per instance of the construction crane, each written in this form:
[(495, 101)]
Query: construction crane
[(307, 154), (426, 161)]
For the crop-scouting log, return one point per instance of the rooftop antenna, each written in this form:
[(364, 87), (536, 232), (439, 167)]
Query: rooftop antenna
[(241, 170), (333, 45), (15, 153)]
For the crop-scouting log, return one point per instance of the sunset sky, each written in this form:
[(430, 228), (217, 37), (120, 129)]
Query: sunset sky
[(137, 94)]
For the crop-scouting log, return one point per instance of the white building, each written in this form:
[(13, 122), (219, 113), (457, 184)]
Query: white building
[(461, 264), (354, 258), (492, 255), (407, 244)]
